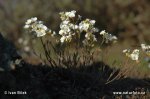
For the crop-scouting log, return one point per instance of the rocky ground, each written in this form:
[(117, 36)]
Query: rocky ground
[(45, 82)]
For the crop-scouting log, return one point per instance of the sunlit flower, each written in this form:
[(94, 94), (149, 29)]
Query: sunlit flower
[(103, 32), (127, 52), (66, 31), (40, 30), (53, 34), (92, 22), (68, 28), (84, 26), (65, 38), (71, 14), (62, 39), (134, 55), (87, 26), (90, 36), (146, 48), (67, 15), (108, 37), (33, 25), (26, 26), (29, 21)]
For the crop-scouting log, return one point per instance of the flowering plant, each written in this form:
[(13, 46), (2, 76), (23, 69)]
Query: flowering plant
[(76, 41), (78, 33), (74, 32)]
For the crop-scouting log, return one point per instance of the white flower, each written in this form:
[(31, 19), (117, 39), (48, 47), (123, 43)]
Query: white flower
[(125, 51), (103, 32), (61, 32), (62, 39), (65, 22), (75, 27), (36, 26), (92, 22), (95, 29), (114, 38), (111, 38), (146, 49), (68, 28), (143, 46), (65, 27), (67, 15), (87, 25), (26, 26), (108, 37), (87, 35), (40, 33), (71, 14), (65, 38), (44, 27), (68, 37), (84, 26), (40, 30), (53, 34), (34, 19), (29, 21), (135, 55)]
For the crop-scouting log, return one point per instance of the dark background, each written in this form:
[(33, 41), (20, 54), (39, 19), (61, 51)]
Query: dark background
[(125, 18)]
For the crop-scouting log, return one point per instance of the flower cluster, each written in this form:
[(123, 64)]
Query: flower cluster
[(108, 37), (87, 26), (67, 15), (134, 55), (67, 26), (71, 28), (146, 48), (37, 27)]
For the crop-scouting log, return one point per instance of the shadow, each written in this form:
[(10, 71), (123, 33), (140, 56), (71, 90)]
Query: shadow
[(45, 82)]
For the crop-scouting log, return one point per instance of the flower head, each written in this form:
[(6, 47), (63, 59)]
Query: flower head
[(134, 55), (29, 21), (65, 38), (39, 29), (67, 30), (146, 48), (108, 37), (67, 15), (127, 52), (103, 32), (70, 14), (87, 25)]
